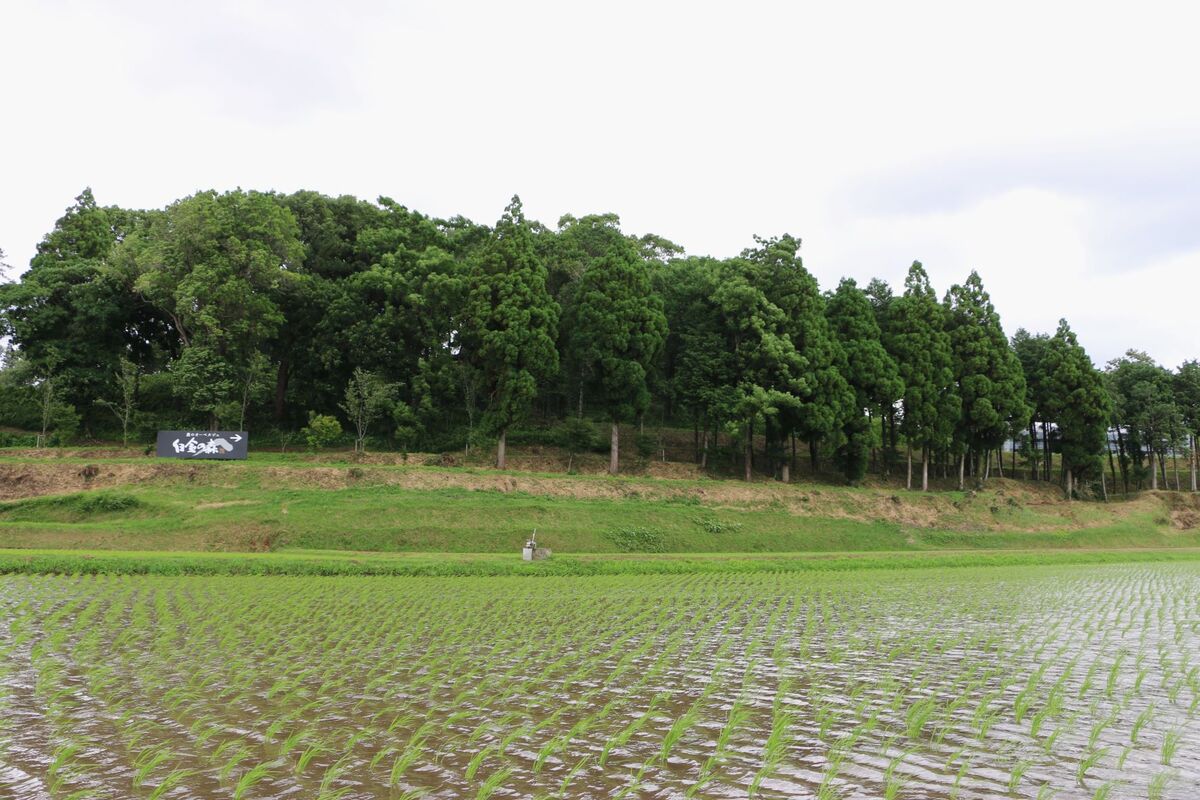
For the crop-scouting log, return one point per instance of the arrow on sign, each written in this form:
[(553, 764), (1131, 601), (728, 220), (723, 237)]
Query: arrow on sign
[(236, 438)]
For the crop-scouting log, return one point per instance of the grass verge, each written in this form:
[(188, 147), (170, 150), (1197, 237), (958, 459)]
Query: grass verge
[(78, 562)]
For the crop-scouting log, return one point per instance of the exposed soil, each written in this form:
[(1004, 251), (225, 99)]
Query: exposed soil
[(1184, 509)]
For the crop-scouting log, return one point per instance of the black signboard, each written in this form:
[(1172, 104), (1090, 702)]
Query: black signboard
[(202, 444)]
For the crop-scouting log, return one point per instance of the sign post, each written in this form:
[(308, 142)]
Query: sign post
[(202, 444)]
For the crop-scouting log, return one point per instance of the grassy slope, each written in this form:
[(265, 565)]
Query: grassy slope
[(284, 503)]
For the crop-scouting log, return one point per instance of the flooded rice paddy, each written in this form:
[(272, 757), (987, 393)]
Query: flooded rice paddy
[(975, 683)]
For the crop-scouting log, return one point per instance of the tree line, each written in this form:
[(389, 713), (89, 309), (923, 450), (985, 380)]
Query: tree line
[(303, 311)]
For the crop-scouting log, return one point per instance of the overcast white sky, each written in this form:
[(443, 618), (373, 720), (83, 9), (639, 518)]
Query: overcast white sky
[(1054, 147)]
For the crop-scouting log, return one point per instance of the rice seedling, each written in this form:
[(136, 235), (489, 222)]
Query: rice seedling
[(1098, 729), (1090, 759), (1158, 785), (147, 761), (1014, 776), (404, 761), (246, 781), (918, 716), (234, 755), (738, 716), (1170, 744), (892, 782), (1143, 719), (963, 768), (307, 755), (60, 765), (477, 761), (777, 740), (170, 781)]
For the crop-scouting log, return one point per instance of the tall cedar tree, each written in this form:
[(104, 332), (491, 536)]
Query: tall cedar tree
[(618, 328), (872, 373), (697, 364), (826, 399), (1187, 396), (765, 370), (1079, 406), (990, 382), (880, 295), (512, 323), (1030, 350), (919, 342)]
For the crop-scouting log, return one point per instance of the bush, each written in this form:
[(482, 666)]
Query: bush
[(322, 430), (637, 540), (575, 436), (17, 439), (531, 437), (647, 446), (107, 503)]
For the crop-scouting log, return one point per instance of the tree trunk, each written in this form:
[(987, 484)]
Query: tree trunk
[(1035, 462), (281, 384), (1046, 448), (1193, 462), (892, 439), (792, 464), (871, 460), (1123, 458), (1153, 470), (749, 454), (909, 484), (704, 450), (925, 470), (786, 472), (1112, 466), (501, 461), (614, 450), (1070, 493), (1162, 465), (987, 463), (1103, 485), (962, 466)]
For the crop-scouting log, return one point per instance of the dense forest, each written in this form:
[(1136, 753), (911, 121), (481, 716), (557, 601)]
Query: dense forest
[(336, 319)]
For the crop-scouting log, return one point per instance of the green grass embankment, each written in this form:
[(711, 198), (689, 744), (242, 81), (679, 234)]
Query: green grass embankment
[(458, 520), (436, 514), (81, 562)]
